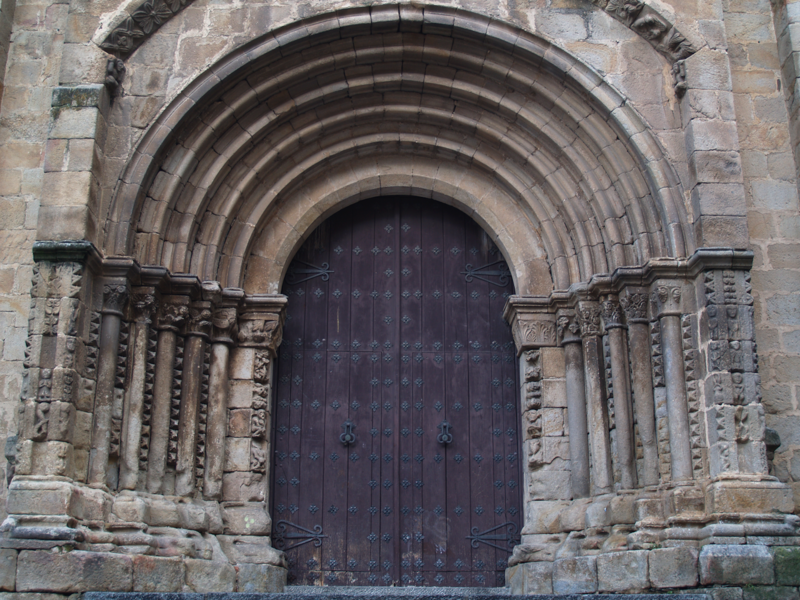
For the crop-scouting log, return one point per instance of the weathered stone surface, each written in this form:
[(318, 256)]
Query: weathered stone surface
[(260, 579), (76, 571), (575, 575), (673, 568), (787, 565), (530, 578), (209, 576), (155, 574), (623, 571), (736, 565), (8, 570)]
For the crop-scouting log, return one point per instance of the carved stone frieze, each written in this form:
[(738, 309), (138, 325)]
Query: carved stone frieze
[(142, 22), (660, 33), (258, 459), (261, 366), (533, 380)]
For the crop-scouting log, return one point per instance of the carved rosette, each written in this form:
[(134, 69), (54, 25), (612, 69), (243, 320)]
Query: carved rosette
[(115, 297), (588, 313)]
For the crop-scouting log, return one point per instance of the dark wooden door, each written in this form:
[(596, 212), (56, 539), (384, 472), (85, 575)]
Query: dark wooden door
[(394, 336)]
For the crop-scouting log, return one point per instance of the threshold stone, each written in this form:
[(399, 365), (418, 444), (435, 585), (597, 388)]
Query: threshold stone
[(385, 593)]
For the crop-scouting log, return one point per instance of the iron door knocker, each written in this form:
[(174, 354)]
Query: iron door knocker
[(348, 437), (445, 437)]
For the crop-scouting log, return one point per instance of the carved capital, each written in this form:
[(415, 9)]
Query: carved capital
[(172, 315), (223, 326), (260, 333), (199, 322), (612, 314), (635, 306), (666, 298), (115, 296), (533, 330), (145, 305), (588, 313), (568, 328)]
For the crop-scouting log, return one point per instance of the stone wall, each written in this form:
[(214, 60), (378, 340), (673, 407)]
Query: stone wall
[(694, 138), (6, 21)]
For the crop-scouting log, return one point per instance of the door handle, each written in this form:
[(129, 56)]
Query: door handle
[(445, 437), (348, 437)]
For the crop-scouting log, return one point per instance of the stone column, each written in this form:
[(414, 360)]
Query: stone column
[(140, 388), (222, 338), (667, 308), (174, 311), (588, 313), (569, 334), (197, 334), (115, 297), (635, 305), (543, 398), (620, 369), (245, 481), (52, 393)]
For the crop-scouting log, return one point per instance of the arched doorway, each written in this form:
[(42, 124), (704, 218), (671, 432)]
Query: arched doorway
[(396, 428)]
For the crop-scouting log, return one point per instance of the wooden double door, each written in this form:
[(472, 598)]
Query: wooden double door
[(396, 420)]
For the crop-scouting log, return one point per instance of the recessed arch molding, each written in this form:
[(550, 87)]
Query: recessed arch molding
[(563, 148), (147, 392)]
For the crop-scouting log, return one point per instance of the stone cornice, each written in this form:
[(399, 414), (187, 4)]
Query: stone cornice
[(627, 277)]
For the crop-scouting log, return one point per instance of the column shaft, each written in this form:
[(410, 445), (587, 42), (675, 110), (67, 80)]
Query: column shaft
[(677, 407), (644, 404), (187, 429), (114, 298), (134, 405), (576, 420), (162, 394), (217, 420), (618, 345), (597, 408)]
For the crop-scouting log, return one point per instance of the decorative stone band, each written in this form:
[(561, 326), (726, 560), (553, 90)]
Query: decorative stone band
[(138, 24)]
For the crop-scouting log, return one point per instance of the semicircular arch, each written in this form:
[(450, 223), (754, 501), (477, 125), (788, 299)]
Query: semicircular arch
[(582, 178)]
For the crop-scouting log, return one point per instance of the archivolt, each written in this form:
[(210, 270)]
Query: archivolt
[(542, 140)]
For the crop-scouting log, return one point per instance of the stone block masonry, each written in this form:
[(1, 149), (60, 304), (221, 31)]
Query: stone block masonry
[(636, 163)]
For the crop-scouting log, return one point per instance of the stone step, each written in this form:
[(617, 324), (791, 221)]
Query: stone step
[(386, 593)]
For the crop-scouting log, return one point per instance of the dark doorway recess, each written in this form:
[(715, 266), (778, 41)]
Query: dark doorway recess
[(396, 418)]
